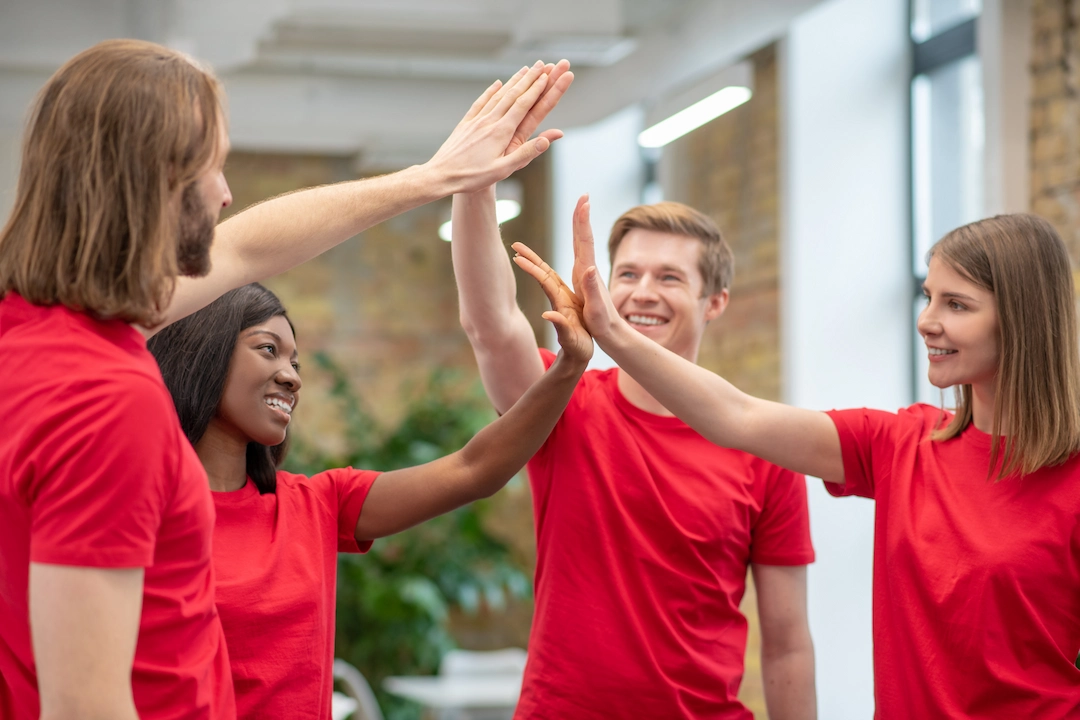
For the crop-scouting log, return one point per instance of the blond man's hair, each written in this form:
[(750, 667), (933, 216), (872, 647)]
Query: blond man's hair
[(716, 262)]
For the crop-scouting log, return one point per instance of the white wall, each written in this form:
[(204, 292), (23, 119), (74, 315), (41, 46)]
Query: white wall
[(846, 288), (604, 161), (1004, 37), (17, 91)]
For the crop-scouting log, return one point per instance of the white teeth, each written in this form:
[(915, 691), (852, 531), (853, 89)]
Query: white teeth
[(280, 405), (940, 351), (645, 320)]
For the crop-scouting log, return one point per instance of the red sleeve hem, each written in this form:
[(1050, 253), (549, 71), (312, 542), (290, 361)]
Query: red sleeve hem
[(794, 559), (96, 559), (350, 513), (850, 455), (836, 489)]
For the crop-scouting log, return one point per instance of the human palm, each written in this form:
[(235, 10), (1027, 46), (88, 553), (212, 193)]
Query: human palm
[(589, 298), (567, 309)]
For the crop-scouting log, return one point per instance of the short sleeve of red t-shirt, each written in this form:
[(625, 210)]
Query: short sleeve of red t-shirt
[(781, 535), (344, 491), (95, 503), (867, 443)]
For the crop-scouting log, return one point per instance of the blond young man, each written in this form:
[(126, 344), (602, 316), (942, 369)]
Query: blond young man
[(106, 590), (645, 530)]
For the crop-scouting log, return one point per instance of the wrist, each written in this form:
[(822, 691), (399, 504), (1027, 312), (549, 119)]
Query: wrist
[(434, 181), (567, 367), (484, 196), (616, 336)]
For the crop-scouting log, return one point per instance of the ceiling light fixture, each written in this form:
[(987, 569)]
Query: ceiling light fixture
[(694, 116), (504, 210), (508, 197)]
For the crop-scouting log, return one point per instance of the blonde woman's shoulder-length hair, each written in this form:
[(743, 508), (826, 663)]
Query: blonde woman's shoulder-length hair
[(112, 140), (1022, 260)]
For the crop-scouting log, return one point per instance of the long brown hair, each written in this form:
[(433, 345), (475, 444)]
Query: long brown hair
[(716, 263), (113, 139), (1022, 260)]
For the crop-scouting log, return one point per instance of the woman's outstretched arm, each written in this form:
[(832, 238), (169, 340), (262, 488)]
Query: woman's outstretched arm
[(805, 441), (402, 498)]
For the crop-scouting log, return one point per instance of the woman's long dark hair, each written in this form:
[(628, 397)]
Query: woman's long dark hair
[(194, 355)]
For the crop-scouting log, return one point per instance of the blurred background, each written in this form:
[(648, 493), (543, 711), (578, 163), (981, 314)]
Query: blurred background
[(867, 129)]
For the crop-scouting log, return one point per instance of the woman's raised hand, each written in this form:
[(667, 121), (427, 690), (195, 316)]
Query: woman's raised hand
[(566, 306)]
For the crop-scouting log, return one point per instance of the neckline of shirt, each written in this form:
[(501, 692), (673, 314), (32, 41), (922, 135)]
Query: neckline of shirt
[(243, 495), (629, 408)]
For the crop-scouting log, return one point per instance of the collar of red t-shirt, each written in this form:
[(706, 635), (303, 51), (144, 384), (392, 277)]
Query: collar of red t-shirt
[(15, 310)]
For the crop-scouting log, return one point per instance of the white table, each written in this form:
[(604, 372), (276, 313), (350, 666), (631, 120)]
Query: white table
[(461, 692), (342, 706)]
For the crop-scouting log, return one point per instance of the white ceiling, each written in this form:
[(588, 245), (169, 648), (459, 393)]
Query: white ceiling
[(387, 79)]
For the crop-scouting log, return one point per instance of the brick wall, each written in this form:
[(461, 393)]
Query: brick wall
[(1055, 117), (729, 169)]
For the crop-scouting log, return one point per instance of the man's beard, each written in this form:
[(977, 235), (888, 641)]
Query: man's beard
[(196, 234)]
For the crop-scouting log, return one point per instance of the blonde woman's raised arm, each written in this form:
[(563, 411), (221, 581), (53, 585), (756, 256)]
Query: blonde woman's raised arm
[(805, 441)]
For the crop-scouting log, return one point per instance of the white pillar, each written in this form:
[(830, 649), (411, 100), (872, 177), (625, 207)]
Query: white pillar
[(846, 280), (603, 160)]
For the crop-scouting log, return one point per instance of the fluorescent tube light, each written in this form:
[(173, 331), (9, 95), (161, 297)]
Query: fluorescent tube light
[(694, 116), (504, 210)]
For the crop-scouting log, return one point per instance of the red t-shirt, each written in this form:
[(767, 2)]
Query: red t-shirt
[(976, 582), (96, 472), (644, 533), (275, 558)]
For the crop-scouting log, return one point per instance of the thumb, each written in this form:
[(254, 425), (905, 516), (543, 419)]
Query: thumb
[(593, 292), (527, 153), (599, 314)]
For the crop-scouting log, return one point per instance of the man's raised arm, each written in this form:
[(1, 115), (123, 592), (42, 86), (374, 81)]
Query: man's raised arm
[(500, 334), (490, 143)]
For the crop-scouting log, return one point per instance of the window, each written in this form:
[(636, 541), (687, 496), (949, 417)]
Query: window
[(947, 140)]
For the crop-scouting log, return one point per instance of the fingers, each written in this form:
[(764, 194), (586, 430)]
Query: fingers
[(584, 247), (548, 279), (525, 102), (528, 253), (551, 135), (521, 86), (580, 202), (501, 91), (584, 250), (559, 80), (482, 101), (599, 312), (572, 335), (594, 293), (559, 320)]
